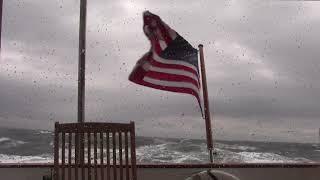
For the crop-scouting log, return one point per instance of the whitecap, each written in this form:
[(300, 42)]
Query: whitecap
[(2, 139), (45, 132), (258, 157), (4, 158), (8, 142)]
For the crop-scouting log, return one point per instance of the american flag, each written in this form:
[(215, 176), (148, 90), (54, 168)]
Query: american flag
[(171, 63)]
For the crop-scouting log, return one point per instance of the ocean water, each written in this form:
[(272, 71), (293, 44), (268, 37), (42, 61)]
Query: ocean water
[(36, 146)]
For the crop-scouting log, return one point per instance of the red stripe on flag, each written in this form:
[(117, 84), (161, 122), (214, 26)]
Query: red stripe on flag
[(170, 31), (155, 45), (172, 77), (149, 21), (165, 34), (137, 74), (173, 66)]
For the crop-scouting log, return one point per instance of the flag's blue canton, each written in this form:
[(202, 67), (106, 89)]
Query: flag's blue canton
[(180, 49)]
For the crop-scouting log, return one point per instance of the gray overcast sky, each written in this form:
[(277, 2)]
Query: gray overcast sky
[(262, 67)]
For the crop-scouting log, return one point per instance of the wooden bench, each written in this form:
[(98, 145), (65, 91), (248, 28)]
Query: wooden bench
[(94, 151)]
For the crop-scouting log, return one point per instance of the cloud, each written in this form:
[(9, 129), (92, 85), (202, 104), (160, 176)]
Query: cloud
[(261, 60)]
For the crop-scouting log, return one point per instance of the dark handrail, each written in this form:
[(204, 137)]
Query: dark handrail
[(217, 165)]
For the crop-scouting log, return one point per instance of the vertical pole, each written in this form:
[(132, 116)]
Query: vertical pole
[(1, 8), (56, 151), (82, 61), (206, 104), (319, 138), (81, 76)]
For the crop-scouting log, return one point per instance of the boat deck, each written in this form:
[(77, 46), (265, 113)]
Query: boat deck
[(181, 172)]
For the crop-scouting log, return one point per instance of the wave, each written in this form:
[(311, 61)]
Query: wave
[(45, 132), (6, 142), (4, 158), (236, 147), (2, 139), (163, 150), (258, 157), (160, 154), (172, 153), (164, 153)]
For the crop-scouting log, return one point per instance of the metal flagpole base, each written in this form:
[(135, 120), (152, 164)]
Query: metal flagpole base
[(212, 153)]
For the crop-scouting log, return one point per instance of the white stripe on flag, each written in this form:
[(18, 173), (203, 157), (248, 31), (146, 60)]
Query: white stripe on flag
[(172, 84), (148, 67), (174, 71), (162, 44), (175, 62)]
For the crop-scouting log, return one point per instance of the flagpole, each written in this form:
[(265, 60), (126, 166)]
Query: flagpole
[(81, 76), (206, 104), (82, 61), (1, 8)]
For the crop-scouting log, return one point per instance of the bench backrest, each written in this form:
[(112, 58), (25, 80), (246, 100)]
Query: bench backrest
[(94, 151)]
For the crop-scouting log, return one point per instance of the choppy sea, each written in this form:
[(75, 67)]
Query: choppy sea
[(36, 146)]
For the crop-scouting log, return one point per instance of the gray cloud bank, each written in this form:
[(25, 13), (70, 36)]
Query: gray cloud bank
[(262, 67)]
